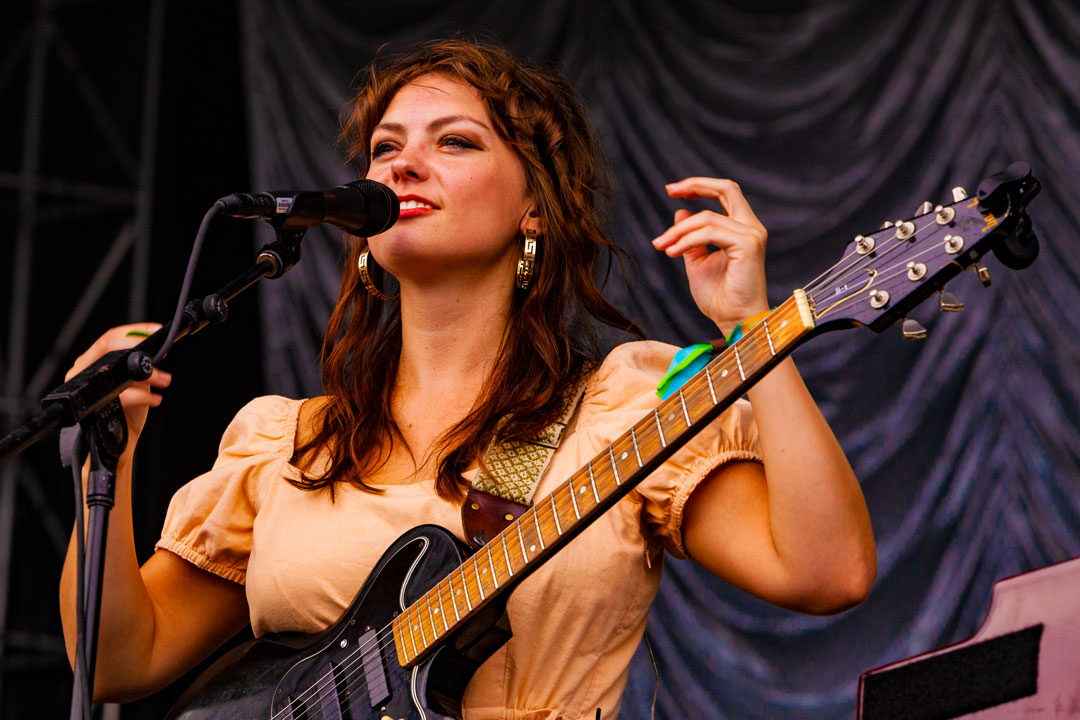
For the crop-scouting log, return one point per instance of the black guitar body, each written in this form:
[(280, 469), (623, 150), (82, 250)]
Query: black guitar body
[(352, 671)]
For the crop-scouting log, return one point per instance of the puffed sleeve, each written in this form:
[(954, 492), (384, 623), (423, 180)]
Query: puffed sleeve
[(621, 393), (210, 519)]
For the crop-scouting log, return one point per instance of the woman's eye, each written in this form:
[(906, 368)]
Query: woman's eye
[(458, 141), (380, 149)]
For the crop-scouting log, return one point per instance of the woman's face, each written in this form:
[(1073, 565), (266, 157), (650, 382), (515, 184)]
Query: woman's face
[(462, 188)]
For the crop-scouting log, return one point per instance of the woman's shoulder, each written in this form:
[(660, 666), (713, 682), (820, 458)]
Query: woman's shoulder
[(628, 376), (268, 424), (641, 360)]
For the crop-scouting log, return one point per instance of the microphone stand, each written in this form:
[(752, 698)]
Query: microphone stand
[(91, 400)]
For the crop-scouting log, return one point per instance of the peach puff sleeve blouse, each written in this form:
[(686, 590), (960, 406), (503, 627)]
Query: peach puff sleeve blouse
[(576, 621)]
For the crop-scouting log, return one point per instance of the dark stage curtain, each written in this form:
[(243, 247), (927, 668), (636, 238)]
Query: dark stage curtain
[(833, 116)]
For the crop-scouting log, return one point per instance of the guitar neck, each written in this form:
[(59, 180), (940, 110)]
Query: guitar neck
[(553, 521)]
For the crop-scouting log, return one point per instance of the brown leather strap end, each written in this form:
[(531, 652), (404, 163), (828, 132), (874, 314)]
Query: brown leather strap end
[(485, 515)]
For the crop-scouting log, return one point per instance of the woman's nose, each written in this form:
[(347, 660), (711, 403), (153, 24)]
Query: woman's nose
[(408, 165)]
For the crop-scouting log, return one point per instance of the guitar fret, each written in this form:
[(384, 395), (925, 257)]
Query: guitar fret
[(592, 481), (768, 336), (431, 614), (708, 378), (659, 428), (637, 451), (686, 414), (420, 624), (539, 535), (573, 500), (739, 361), (614, 470), (465, 588), (521, 538), (555, 514), (452, 600), (412, 637), (401, 634), (479, 582), (442, 608), (491, 562), (506, 552)]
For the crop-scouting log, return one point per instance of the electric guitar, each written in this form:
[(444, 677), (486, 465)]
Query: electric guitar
[(433, 610)]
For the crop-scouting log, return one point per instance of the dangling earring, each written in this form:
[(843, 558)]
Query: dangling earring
[(527, 263), (365, 277)]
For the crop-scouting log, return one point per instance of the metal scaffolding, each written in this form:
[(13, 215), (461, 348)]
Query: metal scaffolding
[(41, 55)]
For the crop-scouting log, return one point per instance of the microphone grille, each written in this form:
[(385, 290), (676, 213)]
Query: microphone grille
[(382, 204)]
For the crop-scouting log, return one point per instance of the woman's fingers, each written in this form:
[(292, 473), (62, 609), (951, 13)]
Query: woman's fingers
[(736, 243), (713, 228), (726, 192), (139, 395), (160, 379), (117, 338)]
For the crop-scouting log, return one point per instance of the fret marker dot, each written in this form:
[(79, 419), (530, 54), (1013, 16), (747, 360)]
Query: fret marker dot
[(623, 456), (484, 571), (458, 592), (783, 324), (436, 611), (724, 373), (581, 491), (671, 417), (532, 548)]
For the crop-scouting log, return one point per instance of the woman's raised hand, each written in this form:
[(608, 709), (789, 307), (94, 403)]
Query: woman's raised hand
[(139, 397), (728, 285)]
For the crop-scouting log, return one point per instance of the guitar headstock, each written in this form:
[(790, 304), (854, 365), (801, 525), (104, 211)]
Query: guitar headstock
[(883, 275)]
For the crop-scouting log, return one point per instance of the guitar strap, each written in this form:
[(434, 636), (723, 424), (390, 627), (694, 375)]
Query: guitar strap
[(510, 471)]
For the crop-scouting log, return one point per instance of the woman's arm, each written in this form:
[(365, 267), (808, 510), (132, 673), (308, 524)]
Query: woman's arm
[(159, 620), (795, 531)]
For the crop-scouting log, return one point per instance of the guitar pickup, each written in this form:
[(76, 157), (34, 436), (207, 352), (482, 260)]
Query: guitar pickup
[(375, 677)]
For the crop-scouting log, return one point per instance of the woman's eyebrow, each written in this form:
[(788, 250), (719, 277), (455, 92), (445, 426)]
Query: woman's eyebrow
[(434, 125)]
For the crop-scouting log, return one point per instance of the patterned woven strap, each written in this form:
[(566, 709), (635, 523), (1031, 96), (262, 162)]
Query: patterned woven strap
[(513, 469)]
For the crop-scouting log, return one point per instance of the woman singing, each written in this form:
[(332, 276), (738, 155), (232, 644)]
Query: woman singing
[(488, 156)]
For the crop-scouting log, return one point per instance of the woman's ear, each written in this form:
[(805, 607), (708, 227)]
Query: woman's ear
[(532, 221)]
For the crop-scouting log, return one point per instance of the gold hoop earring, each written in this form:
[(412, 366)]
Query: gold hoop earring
[(364, 262), (527, 264)]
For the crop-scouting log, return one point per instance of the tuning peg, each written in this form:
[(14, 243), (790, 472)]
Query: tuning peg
[(959, 193), (886, 224), (947, 302), (983, 272), (913, 330), (924, 209)]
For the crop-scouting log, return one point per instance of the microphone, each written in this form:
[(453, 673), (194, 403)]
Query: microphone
[(363, 207)]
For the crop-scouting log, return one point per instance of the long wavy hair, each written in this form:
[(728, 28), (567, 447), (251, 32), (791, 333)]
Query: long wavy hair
[(537, 112)]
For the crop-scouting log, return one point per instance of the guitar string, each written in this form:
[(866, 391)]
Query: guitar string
[(847, 272), (866, 260), (901, 271), (384, 639)]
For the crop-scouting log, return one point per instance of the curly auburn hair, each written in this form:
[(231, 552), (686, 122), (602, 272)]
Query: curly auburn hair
[(536, 111)]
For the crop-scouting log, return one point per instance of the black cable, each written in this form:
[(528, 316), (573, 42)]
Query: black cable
[(81, 660), (189, 276)]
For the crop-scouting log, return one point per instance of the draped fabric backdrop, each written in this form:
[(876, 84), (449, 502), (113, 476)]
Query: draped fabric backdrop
[(833, 116)]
